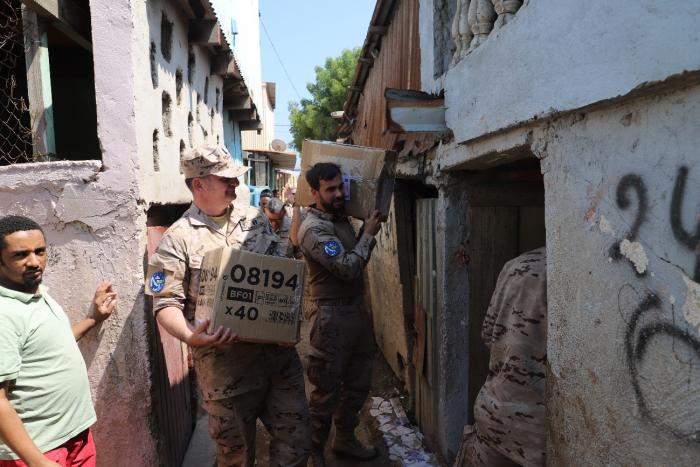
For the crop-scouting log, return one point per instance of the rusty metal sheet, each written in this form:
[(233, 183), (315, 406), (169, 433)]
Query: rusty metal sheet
[(172, 394)]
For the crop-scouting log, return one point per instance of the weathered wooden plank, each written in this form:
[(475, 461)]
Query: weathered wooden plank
[(66, 16), (38, 85)]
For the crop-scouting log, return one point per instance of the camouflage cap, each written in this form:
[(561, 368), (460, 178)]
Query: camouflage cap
[(211, 160)]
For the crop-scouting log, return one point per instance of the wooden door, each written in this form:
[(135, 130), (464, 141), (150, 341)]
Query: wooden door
[(425, 320)]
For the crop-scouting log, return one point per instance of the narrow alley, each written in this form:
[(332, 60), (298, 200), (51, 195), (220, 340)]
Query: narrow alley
[(500, 198), (409, 452)]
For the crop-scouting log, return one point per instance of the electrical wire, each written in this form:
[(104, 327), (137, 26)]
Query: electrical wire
[(267, 34)]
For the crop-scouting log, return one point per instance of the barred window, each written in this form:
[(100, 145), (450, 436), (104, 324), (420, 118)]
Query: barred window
[(47, 88)]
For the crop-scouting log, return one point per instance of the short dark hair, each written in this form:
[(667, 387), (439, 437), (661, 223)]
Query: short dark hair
[(321, 171), (12, 224), (188, 182)]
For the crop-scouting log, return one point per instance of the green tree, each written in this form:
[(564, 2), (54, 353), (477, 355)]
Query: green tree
[(311, 118)]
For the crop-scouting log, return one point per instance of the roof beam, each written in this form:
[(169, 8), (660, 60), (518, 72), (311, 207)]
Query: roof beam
[(206, 32), (239, 115), (250, 125), (67, 17), (238, 103), (224, 64)]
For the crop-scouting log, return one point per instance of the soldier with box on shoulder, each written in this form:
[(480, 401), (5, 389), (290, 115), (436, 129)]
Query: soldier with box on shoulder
[(342, 347)]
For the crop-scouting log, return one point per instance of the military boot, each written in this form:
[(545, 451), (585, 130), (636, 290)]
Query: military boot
[(348, 445)]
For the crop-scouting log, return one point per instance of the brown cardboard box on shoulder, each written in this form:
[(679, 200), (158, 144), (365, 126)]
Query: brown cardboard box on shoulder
[(368, 172), (257, 296)]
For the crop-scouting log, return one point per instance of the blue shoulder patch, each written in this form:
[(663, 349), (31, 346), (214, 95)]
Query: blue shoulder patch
[(332, 249), (157, 281)]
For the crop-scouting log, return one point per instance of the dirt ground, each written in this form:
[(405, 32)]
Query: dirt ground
[(202, 452)]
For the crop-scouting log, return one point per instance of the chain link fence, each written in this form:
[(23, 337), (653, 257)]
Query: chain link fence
[(15, 130)]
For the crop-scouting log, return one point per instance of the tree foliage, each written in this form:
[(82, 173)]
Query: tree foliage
[(311, 118)]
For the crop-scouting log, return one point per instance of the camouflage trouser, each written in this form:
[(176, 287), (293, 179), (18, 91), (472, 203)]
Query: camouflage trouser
[(340, 367), (476, 452), (282, 408)]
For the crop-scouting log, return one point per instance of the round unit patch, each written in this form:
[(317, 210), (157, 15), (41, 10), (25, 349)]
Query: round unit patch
[(157, 281), (332, 249)]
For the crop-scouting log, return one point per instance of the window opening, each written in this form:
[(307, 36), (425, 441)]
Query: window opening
[(154, 66), (190, 128), (47, 86), (167, 113), (156, 155), (191, 61), (166, 37), (178, 86)]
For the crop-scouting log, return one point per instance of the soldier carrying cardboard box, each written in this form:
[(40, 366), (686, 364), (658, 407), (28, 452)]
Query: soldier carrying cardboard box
[(342, 347), (240, 381)]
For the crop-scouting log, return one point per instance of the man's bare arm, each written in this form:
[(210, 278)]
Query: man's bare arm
[(103, 304), (13, 433)]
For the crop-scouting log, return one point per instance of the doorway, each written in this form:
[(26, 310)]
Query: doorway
[(506, 218)]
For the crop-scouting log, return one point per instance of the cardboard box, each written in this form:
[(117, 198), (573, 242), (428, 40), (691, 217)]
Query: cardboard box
[(368, 174), (257, 296)]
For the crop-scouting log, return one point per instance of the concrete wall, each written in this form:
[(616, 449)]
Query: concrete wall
[(166, 185), (624, 300), (95, 227), (610, 106), (250, 138), (566, 54)]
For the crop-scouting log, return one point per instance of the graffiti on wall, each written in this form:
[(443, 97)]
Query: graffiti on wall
[(647, 323)]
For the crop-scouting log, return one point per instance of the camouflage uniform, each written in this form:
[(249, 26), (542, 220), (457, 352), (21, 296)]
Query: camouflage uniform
[(284, 245), (342, 348), (509, 412), (243, 381)]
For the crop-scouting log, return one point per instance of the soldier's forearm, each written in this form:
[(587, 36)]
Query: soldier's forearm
[(172, 319)]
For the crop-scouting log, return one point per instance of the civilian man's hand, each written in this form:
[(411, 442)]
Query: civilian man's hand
[(104, 302), (373, 223), (201, 338)]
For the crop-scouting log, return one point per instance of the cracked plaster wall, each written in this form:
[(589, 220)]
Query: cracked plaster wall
[(623, 345), (95, 228)]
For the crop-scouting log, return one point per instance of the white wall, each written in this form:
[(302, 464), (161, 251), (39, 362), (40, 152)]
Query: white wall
[(247, 41), (560, 55), (167, 184), (251, 139)]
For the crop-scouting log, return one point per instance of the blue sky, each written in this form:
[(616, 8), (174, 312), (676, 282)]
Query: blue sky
[(305, 33)]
